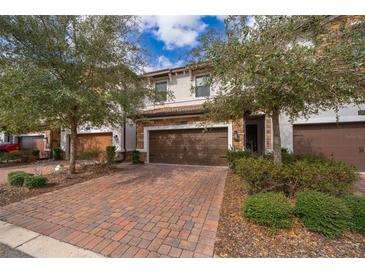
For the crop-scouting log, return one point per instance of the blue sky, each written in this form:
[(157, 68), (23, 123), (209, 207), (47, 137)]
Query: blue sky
[(169, 39)]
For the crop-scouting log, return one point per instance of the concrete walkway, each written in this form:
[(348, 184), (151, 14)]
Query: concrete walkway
[(40, 246)]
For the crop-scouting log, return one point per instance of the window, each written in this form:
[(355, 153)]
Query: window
[(161, 90), (202, 87)]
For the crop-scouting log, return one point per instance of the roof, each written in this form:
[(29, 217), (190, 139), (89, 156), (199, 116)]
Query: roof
[(176, 69), (174, 111)]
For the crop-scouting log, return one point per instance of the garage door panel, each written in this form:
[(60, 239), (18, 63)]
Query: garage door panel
[(343, 142), (94, 141), (189, 146)]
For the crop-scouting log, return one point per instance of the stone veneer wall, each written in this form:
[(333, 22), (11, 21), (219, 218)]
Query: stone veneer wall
[(237, 125)]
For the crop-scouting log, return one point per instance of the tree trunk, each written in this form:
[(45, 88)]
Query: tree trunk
[(73, 138), (276, 136), (124, 137)]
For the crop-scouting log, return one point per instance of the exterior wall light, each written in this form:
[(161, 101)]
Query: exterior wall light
[(236, 136)]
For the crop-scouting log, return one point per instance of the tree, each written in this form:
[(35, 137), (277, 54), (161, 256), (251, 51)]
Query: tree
[(61, 69), (128, 99), (283, 65)]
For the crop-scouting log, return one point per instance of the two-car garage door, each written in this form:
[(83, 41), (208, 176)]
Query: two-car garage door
[(189, 146), (342, 141)]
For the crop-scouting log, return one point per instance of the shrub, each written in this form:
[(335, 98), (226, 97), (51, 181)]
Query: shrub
[(17, 178), (35, 181), (36, 153), (322, 213), (14, 155), (357, 207), (88, 154), (110, 154), (233, 155), (262, 174), (136, 155), (259, 173), (268, 209), (57, 153), (332, 177)]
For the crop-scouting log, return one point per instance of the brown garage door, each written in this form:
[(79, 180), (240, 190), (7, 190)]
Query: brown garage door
[(343, 141), (31, 143), (94, 141), (189, 146)]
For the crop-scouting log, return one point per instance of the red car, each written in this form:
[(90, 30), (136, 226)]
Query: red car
[(8, 147)]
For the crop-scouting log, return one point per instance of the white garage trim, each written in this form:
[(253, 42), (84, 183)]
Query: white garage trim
[(326, 120), (146, 134)]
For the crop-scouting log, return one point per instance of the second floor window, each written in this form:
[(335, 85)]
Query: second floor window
[(202, 87), (161, 90)]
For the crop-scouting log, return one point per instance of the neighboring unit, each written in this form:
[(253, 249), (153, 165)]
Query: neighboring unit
[(177, 132)]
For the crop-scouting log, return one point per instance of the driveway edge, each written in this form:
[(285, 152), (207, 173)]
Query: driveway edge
[(40, 246)]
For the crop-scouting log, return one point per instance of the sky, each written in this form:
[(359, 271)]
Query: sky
[(169, 39)]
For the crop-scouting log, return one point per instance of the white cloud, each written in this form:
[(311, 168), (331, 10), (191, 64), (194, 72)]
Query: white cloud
[(163, 62), (175, 31), (221, 17)]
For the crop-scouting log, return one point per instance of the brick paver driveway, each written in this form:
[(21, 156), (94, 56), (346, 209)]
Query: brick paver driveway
[(144, 211)]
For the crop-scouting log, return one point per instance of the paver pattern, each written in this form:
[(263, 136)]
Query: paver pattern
[(143, 211)]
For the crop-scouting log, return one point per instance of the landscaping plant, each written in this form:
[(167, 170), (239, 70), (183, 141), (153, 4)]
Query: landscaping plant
[(269, 209), (35, 181), (57, 153), (88, 154), (36, 153), (136, 157), (17, 178), (298, 174), (323, 213), (357, 206), (110, 154)]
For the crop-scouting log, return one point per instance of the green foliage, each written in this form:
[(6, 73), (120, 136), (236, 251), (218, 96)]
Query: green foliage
[(36, 153), (136, 155), (110, 154), (17, 178), (57, 153), (336, 178), (88, 154), (275, 67), (35, 181), (297, 174), (64, 70), (357, 207), (259, 173), (14, 155), (233, 155), (323, 213), (268, 209)]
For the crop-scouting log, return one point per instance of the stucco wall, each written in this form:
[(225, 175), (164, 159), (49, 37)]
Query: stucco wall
[(182, 87)]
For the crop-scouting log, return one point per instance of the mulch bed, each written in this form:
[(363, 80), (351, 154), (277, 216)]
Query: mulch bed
[(10, 194), (237, 237)]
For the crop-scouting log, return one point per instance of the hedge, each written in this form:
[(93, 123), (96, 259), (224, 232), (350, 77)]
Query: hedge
[(17, 178), (268, 209), (357, 207), (323, 213), (328, 176), (35, 181)]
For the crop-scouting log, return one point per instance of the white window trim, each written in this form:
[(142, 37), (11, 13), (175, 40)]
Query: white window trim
[(195, 86), (146, 134), (159, 82)]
